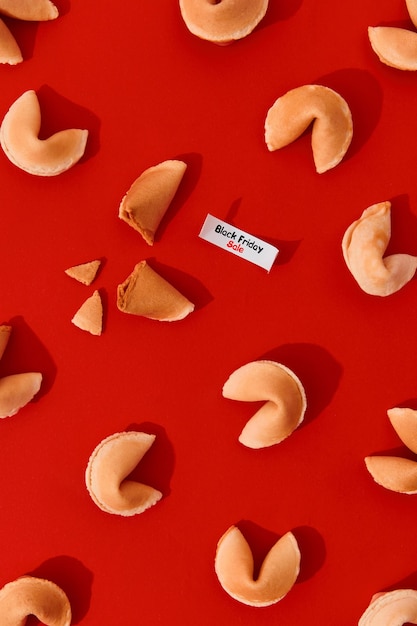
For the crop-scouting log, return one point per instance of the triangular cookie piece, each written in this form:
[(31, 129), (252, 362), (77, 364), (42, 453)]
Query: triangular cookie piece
[(89, 316), (149, 197), (85, 273)]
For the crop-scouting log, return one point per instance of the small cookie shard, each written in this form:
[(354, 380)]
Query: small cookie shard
[(107, 474), (27, 596), (146, 293), (10, 53), (393, 473), (146, 202), (41, 157), (29, 10), (234, 567), (285, 401), (89, 316), (394, 607), (85, 273), (17, 390), (330, 115), (364, 244), (5, 332), (222, 21), (395, 47)]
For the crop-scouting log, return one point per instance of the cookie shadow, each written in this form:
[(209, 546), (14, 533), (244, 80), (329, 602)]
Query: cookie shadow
[(318, 371), (60, 113), (26, 353), (73, 578), (191, 287), (364, 96), (184, 191), (157, 466)]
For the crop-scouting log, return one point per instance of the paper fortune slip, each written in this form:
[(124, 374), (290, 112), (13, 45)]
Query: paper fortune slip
[(238, 242)]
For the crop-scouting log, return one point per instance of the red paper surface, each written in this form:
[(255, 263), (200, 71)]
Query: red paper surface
[(148, 90)]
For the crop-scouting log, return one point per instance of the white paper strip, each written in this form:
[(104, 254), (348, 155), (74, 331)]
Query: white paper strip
[(238, 242)]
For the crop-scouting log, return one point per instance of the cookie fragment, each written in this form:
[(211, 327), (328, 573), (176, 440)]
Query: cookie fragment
[(89, 316), (85, 273), (146, 293), (146, 202)]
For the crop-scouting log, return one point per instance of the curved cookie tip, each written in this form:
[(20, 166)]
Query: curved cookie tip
[(222, 21), (33, 10), (41, 157), (404, 422), (17, 390), (234, 567), (10, 53), (393, 473), (284, 396), (108, 470), (412, 10), (395, 47)]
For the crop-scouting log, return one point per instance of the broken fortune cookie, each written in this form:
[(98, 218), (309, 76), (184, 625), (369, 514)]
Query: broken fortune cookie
[(146, 293), (146, 202)]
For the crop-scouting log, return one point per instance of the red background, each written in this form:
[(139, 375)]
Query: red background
[(148, 90)]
